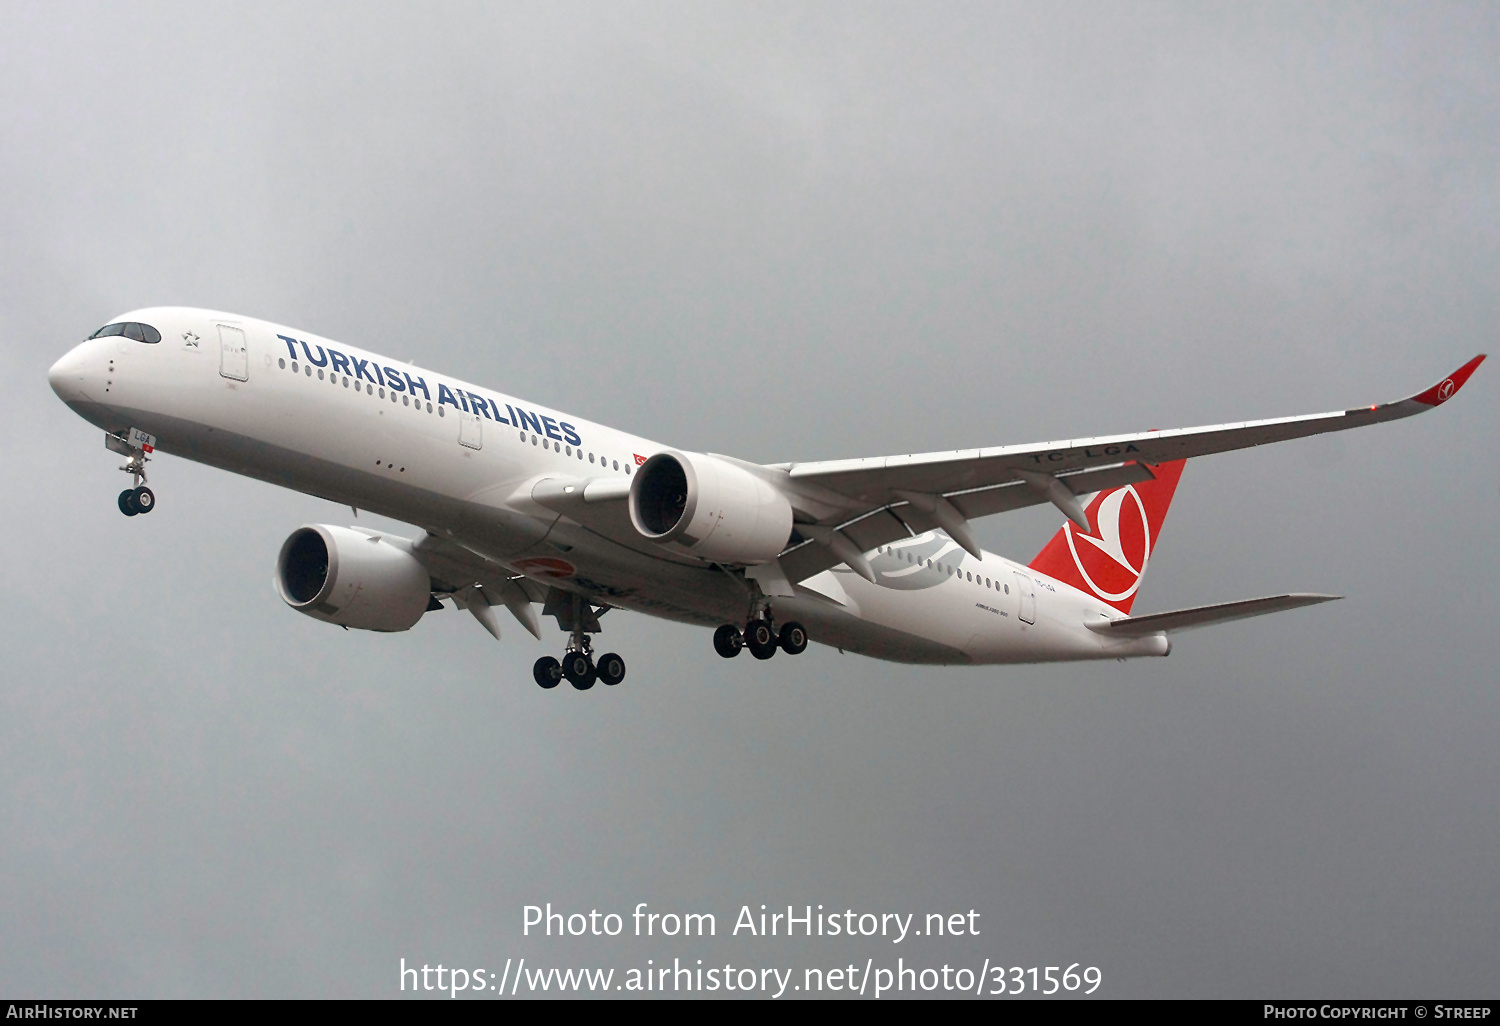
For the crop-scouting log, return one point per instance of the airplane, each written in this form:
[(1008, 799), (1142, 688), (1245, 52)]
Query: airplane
[(520, 505)]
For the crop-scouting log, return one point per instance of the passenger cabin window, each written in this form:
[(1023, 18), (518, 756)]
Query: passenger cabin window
[(133, 330)]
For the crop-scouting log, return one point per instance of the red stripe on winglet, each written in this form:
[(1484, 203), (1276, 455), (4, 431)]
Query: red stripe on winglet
[(1449, 386)]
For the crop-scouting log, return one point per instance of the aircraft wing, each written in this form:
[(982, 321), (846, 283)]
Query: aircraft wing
[(856, 505)]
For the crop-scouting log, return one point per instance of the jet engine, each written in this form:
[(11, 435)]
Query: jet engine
[(338, 575), (710, 507)]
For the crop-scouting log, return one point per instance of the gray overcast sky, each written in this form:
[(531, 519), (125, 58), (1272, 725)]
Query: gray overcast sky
[(782, 231)]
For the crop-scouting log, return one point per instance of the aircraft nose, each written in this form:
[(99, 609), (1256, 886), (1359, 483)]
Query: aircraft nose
[(67, 376)]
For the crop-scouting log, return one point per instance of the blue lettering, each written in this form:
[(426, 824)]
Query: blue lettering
[(446, 396), (551, 426), (321, 361), (413, 384), (497, 412), (479, 404), (393, 380), (376, 368), (291, 345), (529, 420), (361, 372), (339, 360), (571, 435)]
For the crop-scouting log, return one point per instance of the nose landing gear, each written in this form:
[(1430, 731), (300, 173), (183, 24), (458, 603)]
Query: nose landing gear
[(761, 637), (138, 498)]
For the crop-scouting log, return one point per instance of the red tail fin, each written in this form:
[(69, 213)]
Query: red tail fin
[(1111, 560)]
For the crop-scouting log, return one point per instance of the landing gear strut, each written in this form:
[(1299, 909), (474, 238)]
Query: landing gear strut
[(138, 498), (579, 618), (761, 637)]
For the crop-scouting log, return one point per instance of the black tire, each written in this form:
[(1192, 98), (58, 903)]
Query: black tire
[(547, 672), (145, 500), (728, 641), (760, 639), (127, 502), (793, 638), (579, 670), (611, 669)]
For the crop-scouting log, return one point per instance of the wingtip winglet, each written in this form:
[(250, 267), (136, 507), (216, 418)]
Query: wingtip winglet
[(1449, 386)]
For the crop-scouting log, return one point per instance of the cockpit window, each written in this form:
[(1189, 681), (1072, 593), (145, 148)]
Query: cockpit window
[(131, 330)]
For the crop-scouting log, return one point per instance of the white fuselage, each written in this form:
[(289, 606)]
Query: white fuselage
[(459, 460)]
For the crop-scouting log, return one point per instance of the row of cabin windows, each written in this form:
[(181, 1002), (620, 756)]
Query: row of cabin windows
[(406, 400), (369, 389), (559, 447), (949, 569)]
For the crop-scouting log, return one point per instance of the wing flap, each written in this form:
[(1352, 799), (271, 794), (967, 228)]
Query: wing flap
[(902, 520), (1204, 616)]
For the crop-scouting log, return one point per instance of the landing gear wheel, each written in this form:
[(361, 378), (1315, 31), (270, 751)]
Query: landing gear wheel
[(611, 669), (793, 638), (728, 641), (127, 502), (760, 640), (579, 670), (145, 500), (547, 672)]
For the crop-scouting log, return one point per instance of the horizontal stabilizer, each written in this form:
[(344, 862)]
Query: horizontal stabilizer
[(1203, 616)]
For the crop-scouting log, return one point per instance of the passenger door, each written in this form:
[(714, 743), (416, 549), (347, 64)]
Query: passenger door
[(470, 431), (1025, 598), (234, 358)]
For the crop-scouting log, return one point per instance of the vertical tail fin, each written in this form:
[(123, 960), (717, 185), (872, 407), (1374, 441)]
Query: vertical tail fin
[(1110, 560)]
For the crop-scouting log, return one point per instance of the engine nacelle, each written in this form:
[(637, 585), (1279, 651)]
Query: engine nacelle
[(710, 507), (353, 579)]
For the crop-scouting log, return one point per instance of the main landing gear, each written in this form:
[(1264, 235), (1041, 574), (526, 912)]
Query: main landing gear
[(579, 669), (578, 617), (761, 637)]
